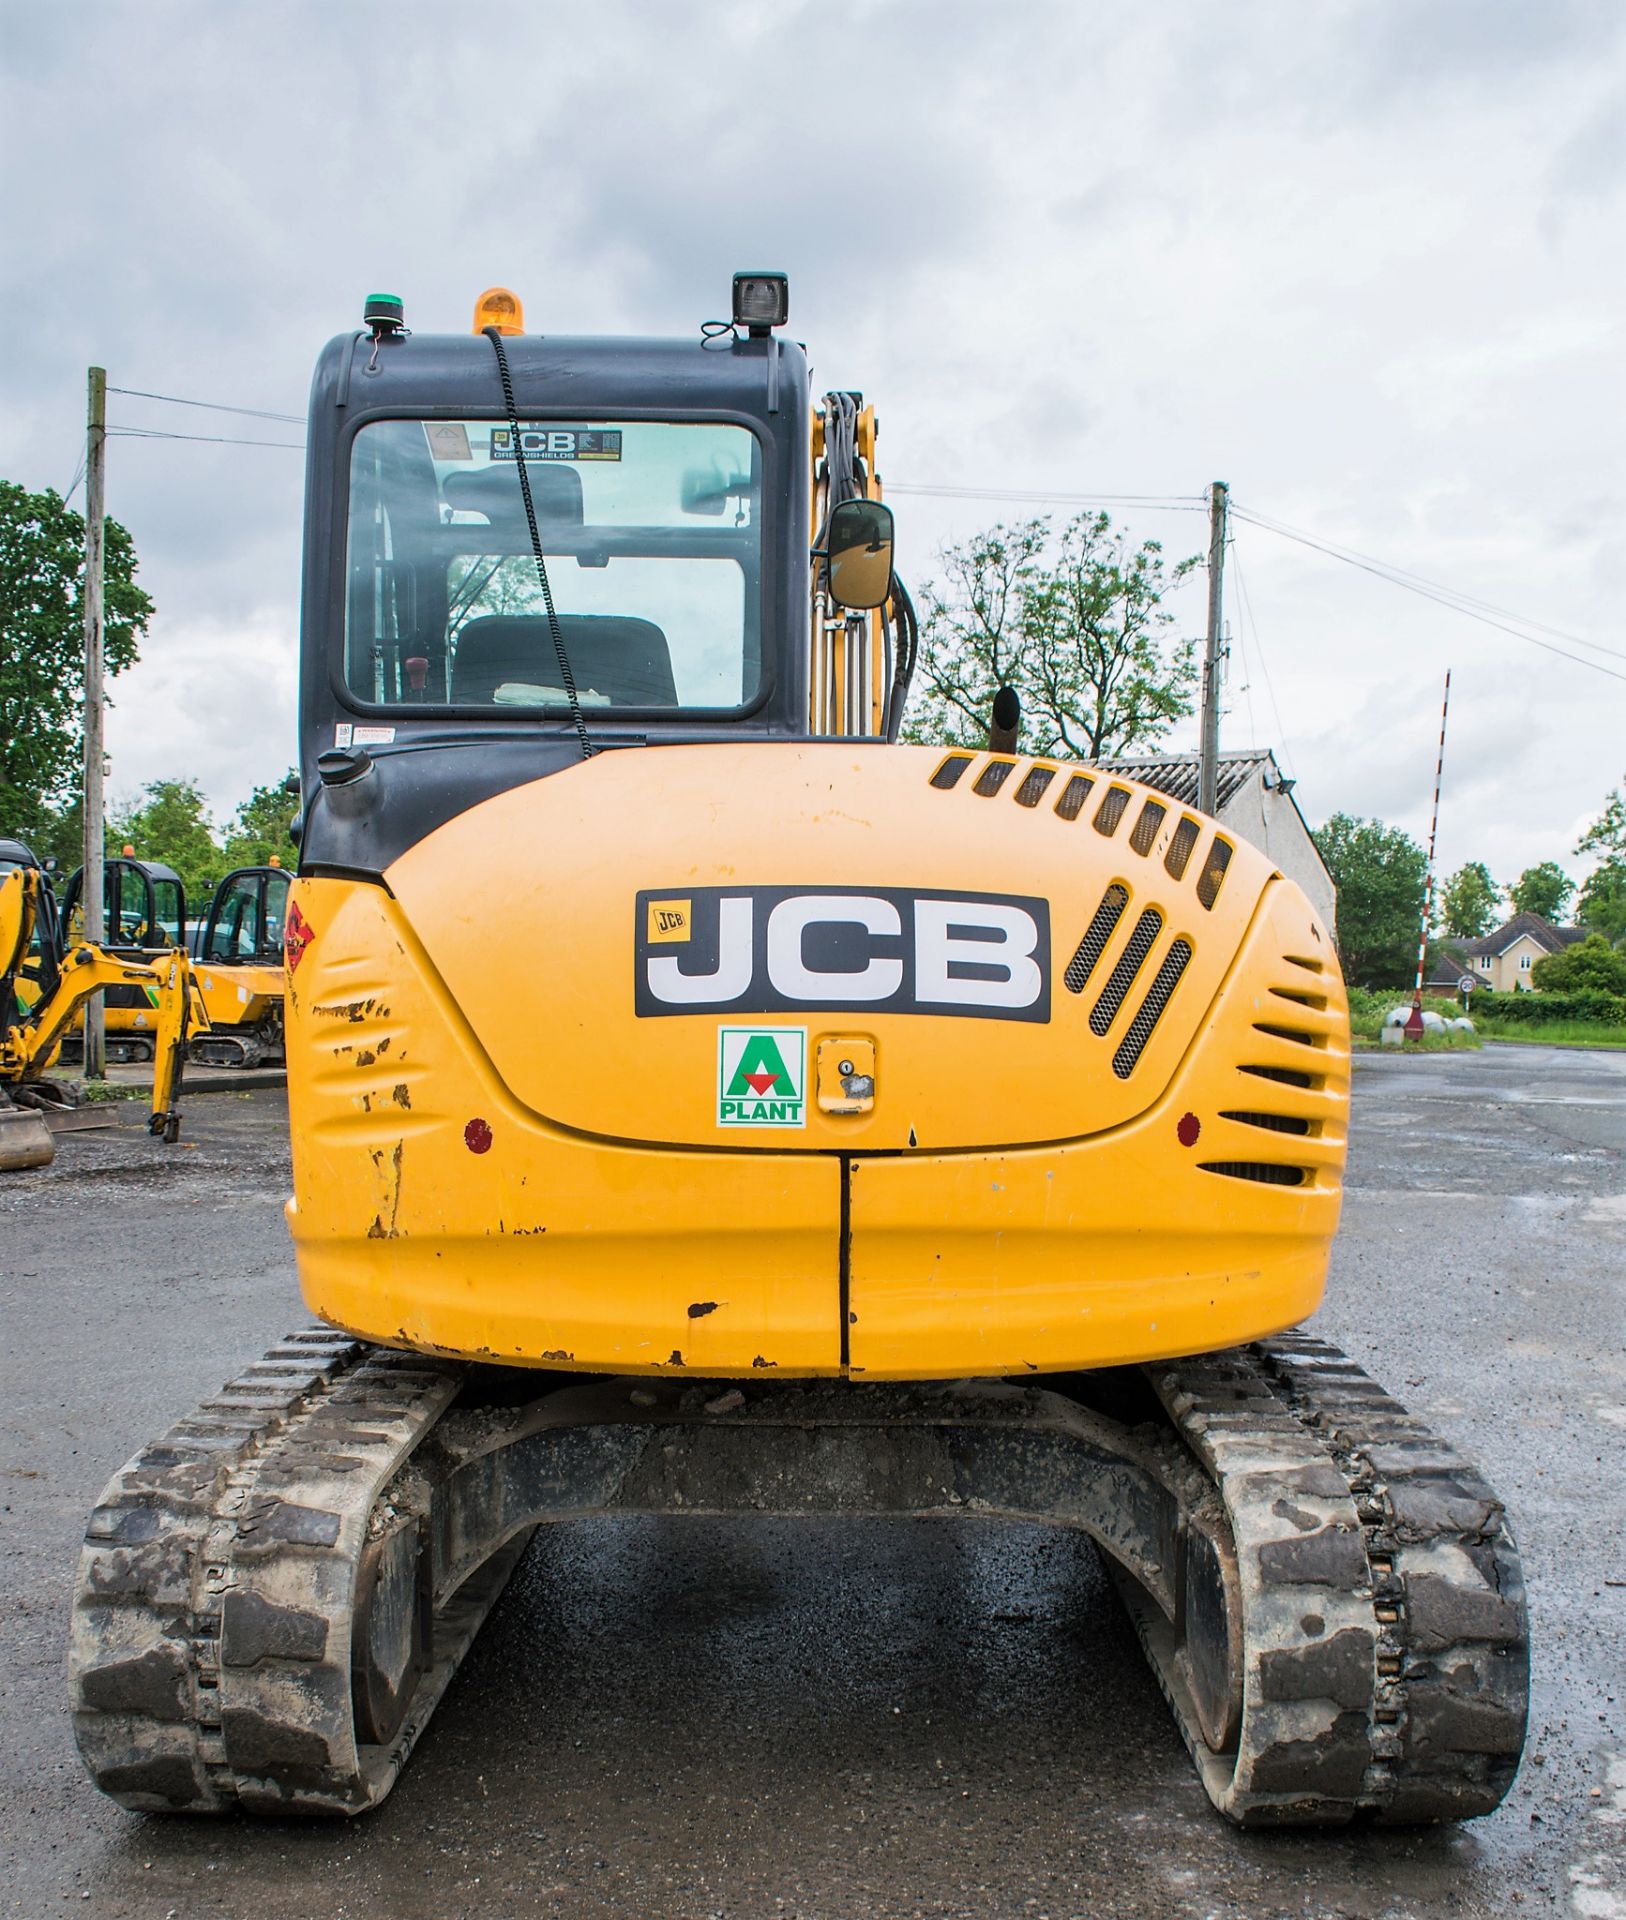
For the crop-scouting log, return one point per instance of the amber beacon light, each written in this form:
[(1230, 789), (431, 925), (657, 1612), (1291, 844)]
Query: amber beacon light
[(498, 308)]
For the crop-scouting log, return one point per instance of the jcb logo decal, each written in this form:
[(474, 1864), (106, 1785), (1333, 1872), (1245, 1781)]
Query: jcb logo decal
[(885, 949), (669, 920)]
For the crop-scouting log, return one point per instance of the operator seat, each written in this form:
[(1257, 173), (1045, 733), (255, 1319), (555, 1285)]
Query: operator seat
[(622, 658)]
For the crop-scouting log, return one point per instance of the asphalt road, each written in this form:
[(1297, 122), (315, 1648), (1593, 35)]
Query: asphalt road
[(838, 1719)]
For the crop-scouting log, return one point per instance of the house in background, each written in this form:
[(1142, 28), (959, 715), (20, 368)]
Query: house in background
[(1254, 799), (1504, 959)]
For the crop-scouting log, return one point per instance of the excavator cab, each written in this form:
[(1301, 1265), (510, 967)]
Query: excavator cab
[(244, 920), (238, 949), (32, 974), (145, 905), (144, 902)]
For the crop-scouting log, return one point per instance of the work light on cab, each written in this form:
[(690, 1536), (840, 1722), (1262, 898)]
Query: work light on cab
[(761, 302), (383, 314), (499, 308)]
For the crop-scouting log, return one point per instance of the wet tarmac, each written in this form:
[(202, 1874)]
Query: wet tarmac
[(837, 1719)]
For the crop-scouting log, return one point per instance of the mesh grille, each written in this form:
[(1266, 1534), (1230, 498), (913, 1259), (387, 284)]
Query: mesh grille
[(1213, 874), (1096, 936), (1178, 857), (1073, 796), (1266, 1172), (993, 777), (1114, 805), (1032, 789), (1271, 1122), (948, 774), (1144, 838), (1119, 981), (1151, 1008)]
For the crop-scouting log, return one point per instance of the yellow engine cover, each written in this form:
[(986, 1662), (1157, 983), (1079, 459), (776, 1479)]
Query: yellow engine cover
[(240, 994), (817, 1058)]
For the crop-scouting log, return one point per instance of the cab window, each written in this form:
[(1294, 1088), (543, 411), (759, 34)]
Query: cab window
[(652, 536)]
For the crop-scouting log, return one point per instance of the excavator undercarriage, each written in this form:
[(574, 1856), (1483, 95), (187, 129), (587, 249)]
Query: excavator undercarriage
[(274, 1596)]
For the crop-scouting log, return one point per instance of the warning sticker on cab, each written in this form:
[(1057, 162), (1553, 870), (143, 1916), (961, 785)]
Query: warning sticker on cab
[(558, 443), (448, 440)]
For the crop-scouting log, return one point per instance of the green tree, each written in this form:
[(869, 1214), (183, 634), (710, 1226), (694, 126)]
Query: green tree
[(1381, 876), (1472, 902), (1545, 890), (259, 829), (42, 668), (1073, 621), (1607, 834), (170, 822), (58, 833), (1590, 966), (1602, 903)]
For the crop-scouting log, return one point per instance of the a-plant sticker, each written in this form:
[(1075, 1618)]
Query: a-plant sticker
[(762, 1076)]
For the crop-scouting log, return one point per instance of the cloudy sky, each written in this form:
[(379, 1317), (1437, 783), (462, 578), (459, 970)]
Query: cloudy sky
[(1361, 260)]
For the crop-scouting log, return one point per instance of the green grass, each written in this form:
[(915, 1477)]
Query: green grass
[(1554, 1033), (100, 1092)]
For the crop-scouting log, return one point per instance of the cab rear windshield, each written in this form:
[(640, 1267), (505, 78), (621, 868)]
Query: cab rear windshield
[(652, 536)]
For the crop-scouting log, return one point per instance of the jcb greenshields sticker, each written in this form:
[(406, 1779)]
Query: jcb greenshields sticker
[(762, 1076)]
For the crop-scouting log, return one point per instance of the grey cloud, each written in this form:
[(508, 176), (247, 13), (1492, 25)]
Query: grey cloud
[(1295, 247)]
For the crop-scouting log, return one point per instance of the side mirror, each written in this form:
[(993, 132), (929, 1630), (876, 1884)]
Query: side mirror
[(858, 553)]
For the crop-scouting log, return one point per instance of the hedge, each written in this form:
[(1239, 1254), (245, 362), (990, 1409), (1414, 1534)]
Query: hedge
[(1535, 1009)]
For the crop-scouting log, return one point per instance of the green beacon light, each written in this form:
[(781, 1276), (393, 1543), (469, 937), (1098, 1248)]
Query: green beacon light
[(384, 314)]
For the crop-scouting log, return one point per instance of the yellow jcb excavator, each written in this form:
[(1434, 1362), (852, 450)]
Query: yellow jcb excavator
[(58, 985), (889, 1129)]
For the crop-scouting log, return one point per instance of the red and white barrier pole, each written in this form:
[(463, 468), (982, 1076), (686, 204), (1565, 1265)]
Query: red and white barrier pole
[(1414, 1020)]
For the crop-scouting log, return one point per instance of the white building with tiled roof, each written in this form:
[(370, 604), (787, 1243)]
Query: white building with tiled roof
[(1254, 799), (1506, 958)]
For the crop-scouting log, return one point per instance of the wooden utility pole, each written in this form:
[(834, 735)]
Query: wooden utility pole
[(1213, 652), (91, 888)]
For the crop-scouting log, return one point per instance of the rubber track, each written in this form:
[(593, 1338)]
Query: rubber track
[(1385, 1659), (1385, 1656), (210, 1657)]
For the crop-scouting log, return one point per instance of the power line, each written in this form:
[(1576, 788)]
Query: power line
[(213, 406), (212, 439), (1242, 646), (1259, 648), (1388, 569), (1442, 596), (1158, 502)]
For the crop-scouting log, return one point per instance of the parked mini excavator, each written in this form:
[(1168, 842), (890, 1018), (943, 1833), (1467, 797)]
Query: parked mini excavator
[(45, 984), (238, 950), (891, 1129), (146, 920)]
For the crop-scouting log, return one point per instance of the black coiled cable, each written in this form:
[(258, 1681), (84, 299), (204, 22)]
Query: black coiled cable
[(563, 658)]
